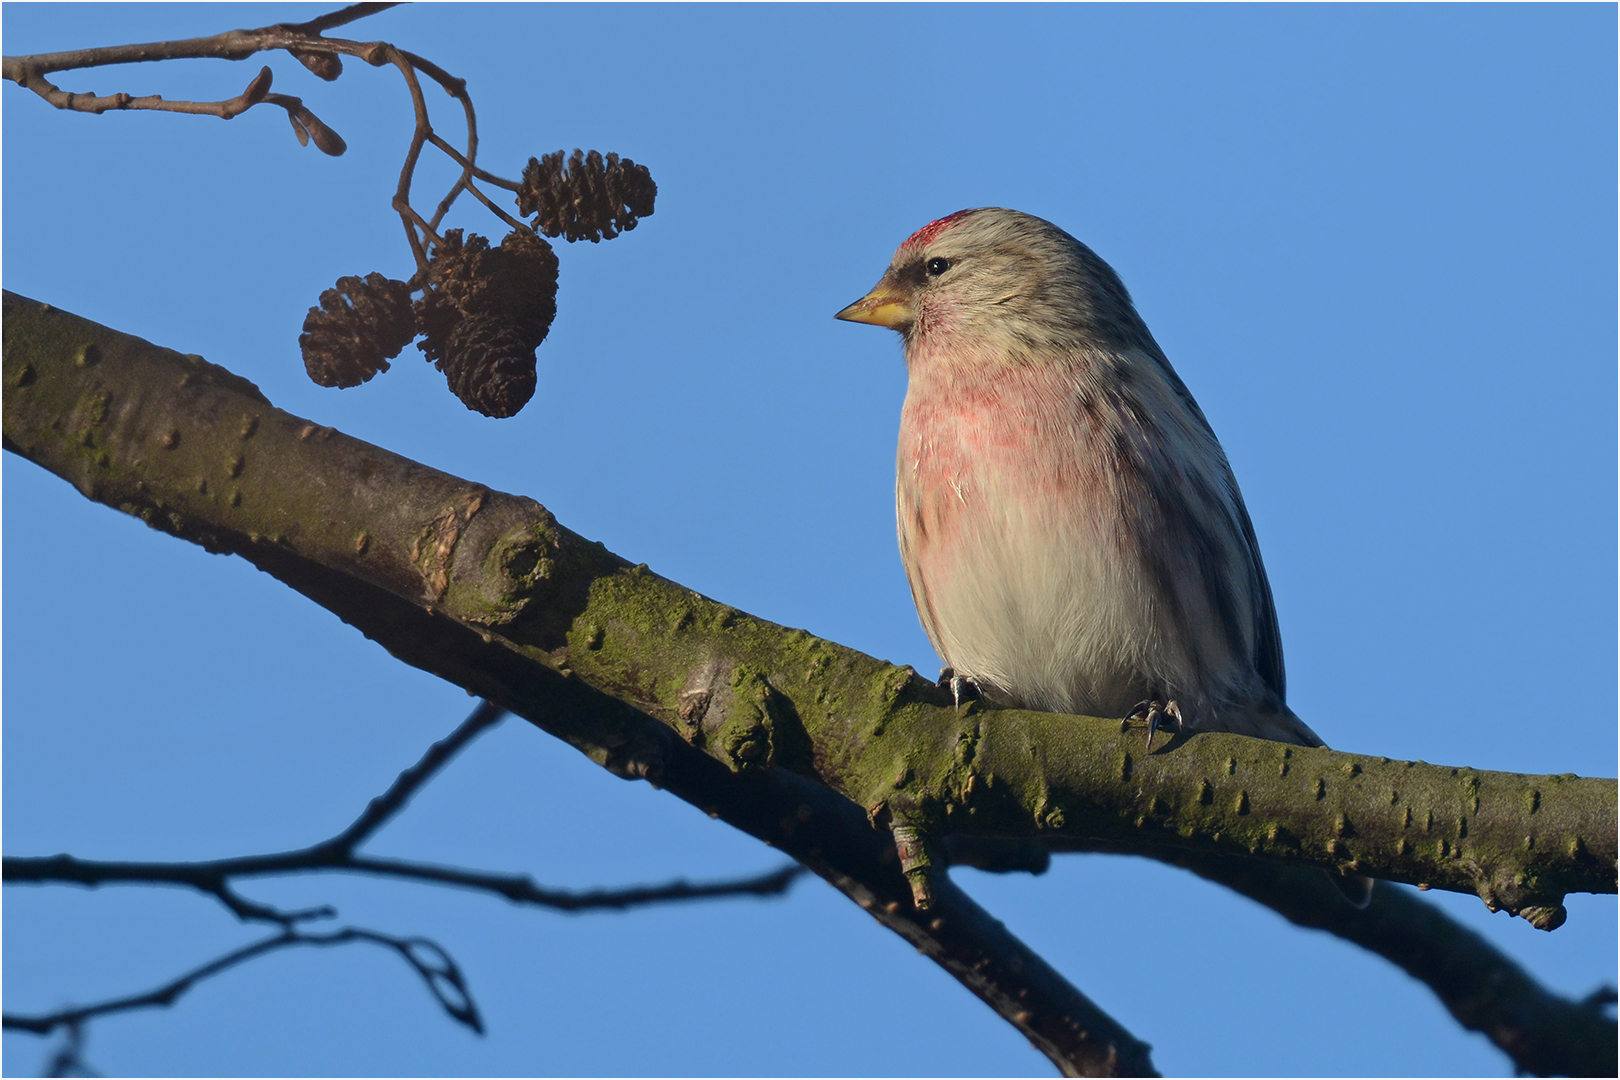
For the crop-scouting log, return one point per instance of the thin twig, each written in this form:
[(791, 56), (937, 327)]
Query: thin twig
[(228, 109), (251, 910), (1544, 1033), (299, 39), (499, 181), (68, 1060), (522, 889), (456, 88), (411, 218), (465, 183), (407, 171), (230, 45), (322, 23), (337, 854), (212, 878), (436, 968), (497, 211), (485, 716), (481, 174)]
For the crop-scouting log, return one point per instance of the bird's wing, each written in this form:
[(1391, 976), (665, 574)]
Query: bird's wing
[(1221, 526), (1268, 655)]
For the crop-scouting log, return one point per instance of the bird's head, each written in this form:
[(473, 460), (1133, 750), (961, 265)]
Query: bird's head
[(1004, 280)]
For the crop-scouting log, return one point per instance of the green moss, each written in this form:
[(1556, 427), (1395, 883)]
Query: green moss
[(747, 737), (516, 570)]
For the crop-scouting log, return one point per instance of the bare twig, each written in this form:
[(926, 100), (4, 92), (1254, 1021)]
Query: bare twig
[(522, 889), (485, 716), (92, 103), (342, 17), (337, 854), (456, 88), (1544, 1033), (430, 961), (213, 877), (68, 1059), (436, 968), (465, 184), (302, 40), (502, 644)]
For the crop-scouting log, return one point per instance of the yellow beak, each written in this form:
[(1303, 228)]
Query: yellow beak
[(883, 306)]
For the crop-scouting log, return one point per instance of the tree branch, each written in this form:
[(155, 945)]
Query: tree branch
[(732, 713), (341, 17), (821, 829), (378, 812), (230, 45), (435, 967), (321, 55), (1545, 1034), (214, 876), (215, 463), (91, 103)]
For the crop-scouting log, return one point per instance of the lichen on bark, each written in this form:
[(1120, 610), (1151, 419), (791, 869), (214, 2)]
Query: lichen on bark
[(197, 451)]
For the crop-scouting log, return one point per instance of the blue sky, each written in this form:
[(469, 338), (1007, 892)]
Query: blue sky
[(1377, 242)]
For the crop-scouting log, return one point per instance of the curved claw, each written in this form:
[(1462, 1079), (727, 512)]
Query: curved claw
[(1157, 714), (963, 688)]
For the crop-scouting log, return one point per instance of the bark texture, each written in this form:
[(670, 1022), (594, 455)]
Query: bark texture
[(797, 740)]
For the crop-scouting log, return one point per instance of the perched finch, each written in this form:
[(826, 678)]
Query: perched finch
[(1072, 531)]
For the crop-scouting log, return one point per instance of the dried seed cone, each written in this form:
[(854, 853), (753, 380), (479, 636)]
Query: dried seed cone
[(525, 285), (459, 274), (436, 318), (591, 198), (468, 278), (358, 327), (489, 364)]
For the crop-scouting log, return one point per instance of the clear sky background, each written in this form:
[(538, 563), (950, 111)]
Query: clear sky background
[(1377, 242)]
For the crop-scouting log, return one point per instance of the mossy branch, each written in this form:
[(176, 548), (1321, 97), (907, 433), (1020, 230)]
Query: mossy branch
[(400, 551), (199, 452), (653, 680)]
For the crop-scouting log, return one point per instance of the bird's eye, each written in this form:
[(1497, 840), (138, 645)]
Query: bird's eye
[(936, 267)]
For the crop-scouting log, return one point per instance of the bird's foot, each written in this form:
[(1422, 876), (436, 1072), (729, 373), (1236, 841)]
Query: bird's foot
[(963, 688), (1157, 714)]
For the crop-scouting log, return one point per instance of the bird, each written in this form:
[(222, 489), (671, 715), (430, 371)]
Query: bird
[(1073, 535), (1071, 529)]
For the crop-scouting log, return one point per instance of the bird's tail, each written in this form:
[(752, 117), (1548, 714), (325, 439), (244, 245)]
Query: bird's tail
[(1267, 719)]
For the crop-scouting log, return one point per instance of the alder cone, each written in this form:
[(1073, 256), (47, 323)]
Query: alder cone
[(490, 365), (517, 281), (359, 326), (525, 285), (588, 198)]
